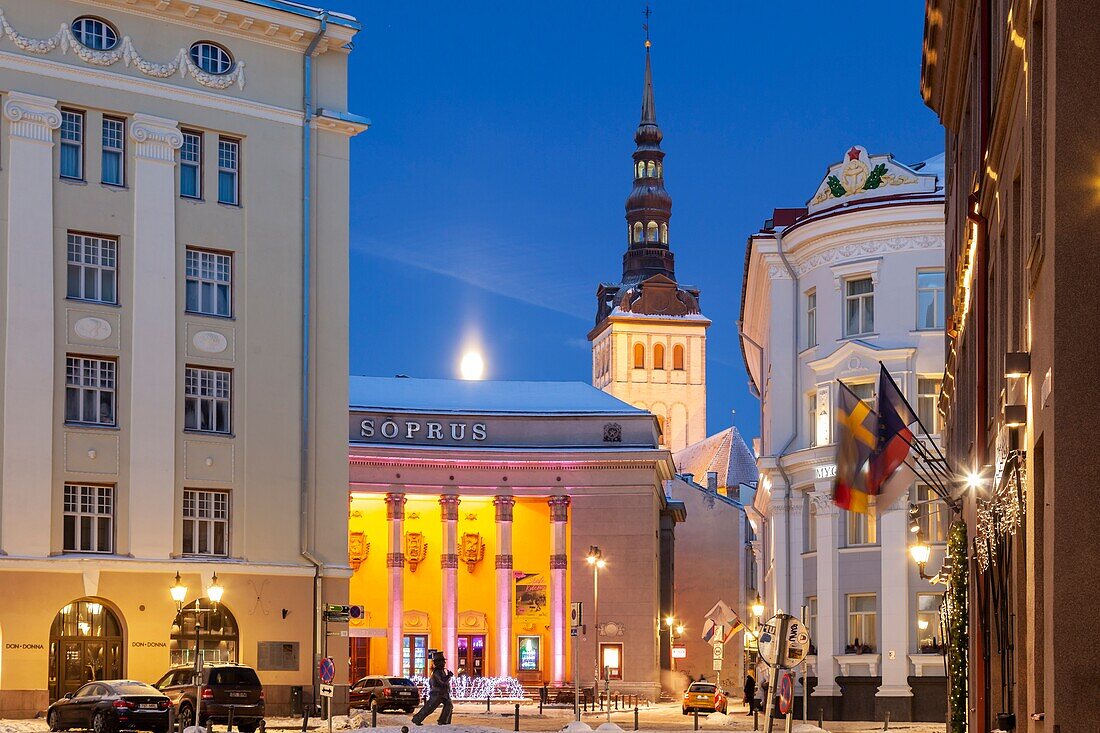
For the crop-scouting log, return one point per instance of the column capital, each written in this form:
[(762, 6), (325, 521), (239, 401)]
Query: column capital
[(395, 560), (448, 560), (559, 562), (559, 508), (504, 505), (504, 562), (32, 117), (157, 138), (395, 506), (822, 503), (449, 504)]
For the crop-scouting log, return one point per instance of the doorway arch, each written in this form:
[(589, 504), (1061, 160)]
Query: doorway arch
[(220, 636), (85, 644)]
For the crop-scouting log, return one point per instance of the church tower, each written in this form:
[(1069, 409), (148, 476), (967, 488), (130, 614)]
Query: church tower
[(649, 342)]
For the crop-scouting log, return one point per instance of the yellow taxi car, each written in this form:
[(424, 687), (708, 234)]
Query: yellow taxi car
[(706, 697)]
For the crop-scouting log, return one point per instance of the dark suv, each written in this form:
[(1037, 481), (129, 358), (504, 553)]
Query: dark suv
[(225, 686), (384, 693)]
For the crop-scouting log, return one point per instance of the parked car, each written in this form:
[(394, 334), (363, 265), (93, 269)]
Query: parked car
[(706, 697), (106, 706), (224, 686), (384, 693)]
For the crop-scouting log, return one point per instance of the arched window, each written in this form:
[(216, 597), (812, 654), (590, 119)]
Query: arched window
[(638, 232), (651, 232), (664, 233), (85, 645), (639, 355), (211, 58), (660, 170), (651, 169), (662, 439), (220, 635), (678, 357), (94, 33), (639, 169), (659, 356)]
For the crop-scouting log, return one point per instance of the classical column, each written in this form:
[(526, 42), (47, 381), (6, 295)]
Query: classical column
[(780, 553), (559, 515), (448, 560), (505, 581), (152, 368), (395, 565), (895, 619), (29, 364), (828, 605)]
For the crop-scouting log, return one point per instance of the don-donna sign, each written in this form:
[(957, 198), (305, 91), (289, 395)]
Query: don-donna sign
[(415, 430)]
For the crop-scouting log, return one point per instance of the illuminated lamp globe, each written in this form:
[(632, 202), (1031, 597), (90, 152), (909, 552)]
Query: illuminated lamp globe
[(214, 592), (179, 590), (757, 606), (472, 365), (920, 551)]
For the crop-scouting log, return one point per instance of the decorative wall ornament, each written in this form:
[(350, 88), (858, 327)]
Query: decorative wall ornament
[(612, 433), (358, 547), (157, 138), (416, 549), (32, 117), (211, 342), (470, 517), (96, 329), (612, 628), (124, 52), (856, 174), (473, 621), (471, 549)]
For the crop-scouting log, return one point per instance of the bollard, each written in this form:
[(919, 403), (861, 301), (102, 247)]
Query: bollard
[(517, 717), (821, 718), (695, 714), (540, 705), (305, 716), (373, 717), (229, 723), (617, 701), (755, 719), (488, 704), (635, 717), (886, 723), (263, 726)]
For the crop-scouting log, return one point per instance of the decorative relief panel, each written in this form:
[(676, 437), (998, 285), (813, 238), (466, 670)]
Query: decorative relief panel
[(471, 550), (208, 461), (91, 452), (208, 342), (416, 622), (358, 549), (416, 549), (91, 328), (472, 622)]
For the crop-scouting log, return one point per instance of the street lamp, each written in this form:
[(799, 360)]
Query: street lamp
[(178, 592), (757, 606), (921, 551), (595, 559)]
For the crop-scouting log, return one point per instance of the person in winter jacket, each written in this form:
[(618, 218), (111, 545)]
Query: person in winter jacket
[(750, 693), (439, 692)]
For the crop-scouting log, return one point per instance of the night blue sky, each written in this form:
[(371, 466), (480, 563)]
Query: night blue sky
[(487, 199)]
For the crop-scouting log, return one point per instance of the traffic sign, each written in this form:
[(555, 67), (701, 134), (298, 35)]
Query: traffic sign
[(679, 651), (327, 690), (357, 612), (718, 650), (327, 670), (575, 615), (578, 630), (786, 693), (717, 665), (788, 652)]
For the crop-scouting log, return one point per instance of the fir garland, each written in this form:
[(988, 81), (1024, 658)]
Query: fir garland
[(956, 616)]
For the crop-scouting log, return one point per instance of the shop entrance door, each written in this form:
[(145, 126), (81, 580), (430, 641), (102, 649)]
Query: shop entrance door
[(85, 645), (471, 655)]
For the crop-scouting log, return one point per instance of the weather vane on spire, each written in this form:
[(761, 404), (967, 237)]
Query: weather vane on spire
[(647, 12)]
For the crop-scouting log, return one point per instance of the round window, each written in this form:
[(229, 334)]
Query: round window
[(211, 58), (95, 33)]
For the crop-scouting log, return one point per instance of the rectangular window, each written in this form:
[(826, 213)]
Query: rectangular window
[(89, 518), (206, 400), (865, 391), (933, 517), (414, 655), (611, 661), (114, 151), (929, 631), (206, 523), (809, 514), (89, 390), (811, 621), (72, 144), (862, 616), (859, 307), (930, 287), (811, 318), (928, 397), (863, 528), (92, 269), (191, 165), (228, 166), (209, 282)]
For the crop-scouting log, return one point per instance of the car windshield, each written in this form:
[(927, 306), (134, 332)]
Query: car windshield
[(702, 688), (134, 688), (233, 676), (400, 682)]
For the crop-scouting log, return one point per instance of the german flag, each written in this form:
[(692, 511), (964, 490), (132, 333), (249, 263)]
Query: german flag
[(856, 434)]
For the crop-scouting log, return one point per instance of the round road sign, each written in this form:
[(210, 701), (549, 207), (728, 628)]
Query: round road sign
[(788, 652), (327, 670), (786, 693)]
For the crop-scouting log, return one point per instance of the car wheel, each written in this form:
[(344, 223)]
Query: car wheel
[(52, 721), (247, 727), (186, 717), (102, 724)]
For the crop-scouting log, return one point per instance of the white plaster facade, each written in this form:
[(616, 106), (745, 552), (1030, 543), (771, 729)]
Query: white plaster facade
[(799, 271), (139, 453)]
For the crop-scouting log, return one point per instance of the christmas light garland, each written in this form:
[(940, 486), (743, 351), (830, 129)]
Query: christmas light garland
[(954, 614), (465, 687)]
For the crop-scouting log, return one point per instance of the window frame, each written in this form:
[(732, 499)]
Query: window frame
[(208, 523), (659, 356), (82, 116), (678, 358), (606, 646), (120, 150), (98, 267), (862, 529), (863, 618), (809, 534), (929, 401), (98, 389), (200, 280), (235, 170), (197, 165), (213, 398), (639, 351), (94, 19), (196, 57), (932, 515), (96, 517), (939, 296), (934, 621), (864, 329), (811, 318)]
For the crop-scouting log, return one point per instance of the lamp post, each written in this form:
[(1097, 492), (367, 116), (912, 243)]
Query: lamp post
[(179, 593), (757, 606), (595, 559), (920, 551)]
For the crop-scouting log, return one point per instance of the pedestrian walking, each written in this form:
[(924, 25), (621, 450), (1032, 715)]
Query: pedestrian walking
[(439, 692), (764, 694), (750, 693)]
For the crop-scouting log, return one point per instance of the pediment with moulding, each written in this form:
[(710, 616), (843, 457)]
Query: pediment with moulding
[(856, 358)]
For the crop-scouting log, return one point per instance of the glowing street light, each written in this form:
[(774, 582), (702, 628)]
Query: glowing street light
[(757, 606), (178, 591), (472, 365), (214, 592)]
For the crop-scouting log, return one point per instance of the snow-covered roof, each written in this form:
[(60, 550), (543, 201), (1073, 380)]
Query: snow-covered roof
[(725, 453), (310, 11), (482, 397), (936, 165)]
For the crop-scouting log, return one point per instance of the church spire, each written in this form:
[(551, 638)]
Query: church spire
[(649, 206)]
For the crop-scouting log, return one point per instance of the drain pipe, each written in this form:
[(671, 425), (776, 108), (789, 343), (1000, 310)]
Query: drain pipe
[(795, 411), (305, 495)]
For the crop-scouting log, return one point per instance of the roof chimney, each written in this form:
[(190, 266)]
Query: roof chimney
[(712, 482)]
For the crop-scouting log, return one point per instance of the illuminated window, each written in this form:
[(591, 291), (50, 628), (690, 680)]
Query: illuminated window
[(414, 655), (678, 357), (862, 618), (639, 355), (638, 234), (929, 631), (611, 661), (930, 287), (639, 169), (859, 307), (651, 232), (529, 658), (651, 169), (863, 528), (664, 233), (933, 516), (811, 318), (928, 396), (659, 356)]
